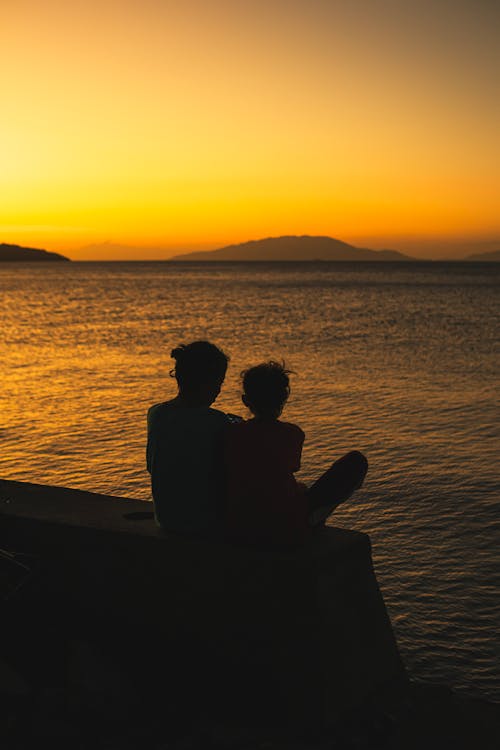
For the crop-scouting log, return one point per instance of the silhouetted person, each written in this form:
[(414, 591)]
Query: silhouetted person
[(185, 436), (264, 501)]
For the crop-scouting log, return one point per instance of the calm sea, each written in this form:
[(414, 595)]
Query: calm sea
[(398, 360)]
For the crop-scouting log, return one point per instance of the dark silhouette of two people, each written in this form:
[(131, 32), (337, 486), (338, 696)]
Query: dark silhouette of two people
[(217, 475)]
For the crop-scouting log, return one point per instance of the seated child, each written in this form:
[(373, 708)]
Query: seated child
[(264, 502)]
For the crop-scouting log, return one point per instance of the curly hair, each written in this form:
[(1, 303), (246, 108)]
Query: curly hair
[(266, 388)]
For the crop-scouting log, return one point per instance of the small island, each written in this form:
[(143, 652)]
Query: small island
[(304, 248), (491, 257), (15, 253)]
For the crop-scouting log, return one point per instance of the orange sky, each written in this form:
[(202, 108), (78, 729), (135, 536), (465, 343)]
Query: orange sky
[(191, 125)]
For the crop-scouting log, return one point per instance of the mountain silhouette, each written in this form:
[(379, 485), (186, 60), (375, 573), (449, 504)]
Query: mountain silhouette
[(295, 248), (493, 256), (11, 253)]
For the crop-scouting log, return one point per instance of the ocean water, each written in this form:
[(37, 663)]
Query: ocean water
[(400, 361)]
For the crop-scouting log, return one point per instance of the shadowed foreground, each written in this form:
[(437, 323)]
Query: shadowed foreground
[(118, 635)]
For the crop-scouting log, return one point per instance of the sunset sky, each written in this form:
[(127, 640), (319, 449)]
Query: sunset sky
[(174, 126)]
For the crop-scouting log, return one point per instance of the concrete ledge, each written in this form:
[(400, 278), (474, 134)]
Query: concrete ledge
[(277, 634)]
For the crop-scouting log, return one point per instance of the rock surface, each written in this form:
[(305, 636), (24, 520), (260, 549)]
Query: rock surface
[(133, 628)]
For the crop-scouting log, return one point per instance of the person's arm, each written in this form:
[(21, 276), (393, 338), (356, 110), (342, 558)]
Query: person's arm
[(299, 442), (150, 447), (149, 454)]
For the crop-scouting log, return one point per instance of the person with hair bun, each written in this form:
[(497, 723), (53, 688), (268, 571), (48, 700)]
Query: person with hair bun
[(264, 502), (185, 444)]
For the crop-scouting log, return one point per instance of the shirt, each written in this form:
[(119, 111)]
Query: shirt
[(264, 502), (184, 458)]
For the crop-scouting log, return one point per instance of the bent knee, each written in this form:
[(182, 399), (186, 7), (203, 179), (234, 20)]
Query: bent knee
[(358, 459)]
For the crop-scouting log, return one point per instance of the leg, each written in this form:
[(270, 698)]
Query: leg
[(335, 486)]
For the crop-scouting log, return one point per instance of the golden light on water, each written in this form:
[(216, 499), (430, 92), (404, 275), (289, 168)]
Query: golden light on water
[(203, 123)]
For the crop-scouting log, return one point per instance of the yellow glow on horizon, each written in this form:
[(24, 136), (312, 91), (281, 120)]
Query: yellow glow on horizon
[(157, 124)]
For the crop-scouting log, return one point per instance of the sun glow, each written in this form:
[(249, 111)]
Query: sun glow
[(157, 124)]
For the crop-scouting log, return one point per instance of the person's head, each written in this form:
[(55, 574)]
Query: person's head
[(266, 388), (200, 369)]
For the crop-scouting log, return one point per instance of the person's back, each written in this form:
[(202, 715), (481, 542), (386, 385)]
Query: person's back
[(264, 501), (185, 463), (184, 451)]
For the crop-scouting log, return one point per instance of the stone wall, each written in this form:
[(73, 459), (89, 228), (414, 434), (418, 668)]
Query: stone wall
[(264, 635)]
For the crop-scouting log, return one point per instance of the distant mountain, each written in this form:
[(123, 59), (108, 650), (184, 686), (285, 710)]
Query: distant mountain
[(118, 252), (17, 253), (493, 256), (295, 248)]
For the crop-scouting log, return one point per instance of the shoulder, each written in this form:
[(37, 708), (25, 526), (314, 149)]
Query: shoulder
[(242, 432), (156, 411), (167, 410), (217, 416), (237, 428), (293, 430), (274, 428)]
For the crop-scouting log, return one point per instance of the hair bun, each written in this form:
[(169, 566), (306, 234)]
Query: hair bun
[(198, 362), (178, 351)]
